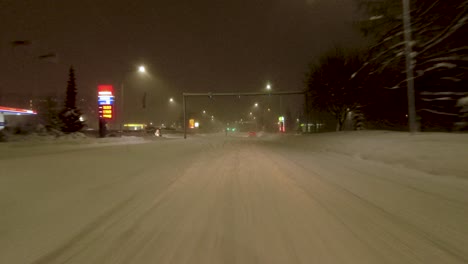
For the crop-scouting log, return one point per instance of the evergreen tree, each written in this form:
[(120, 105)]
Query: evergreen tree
[(70, 115)]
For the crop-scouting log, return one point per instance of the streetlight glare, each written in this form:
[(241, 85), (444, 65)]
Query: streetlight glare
[(256, 104), (142, 69), (268, 87), (171, 99)]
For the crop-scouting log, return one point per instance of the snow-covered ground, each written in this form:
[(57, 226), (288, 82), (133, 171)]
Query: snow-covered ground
[(37, 145), (435, 153), (358, 197)]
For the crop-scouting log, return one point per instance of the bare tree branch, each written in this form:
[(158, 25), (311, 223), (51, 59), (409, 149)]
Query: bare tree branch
[(437, 112), (457, 24)]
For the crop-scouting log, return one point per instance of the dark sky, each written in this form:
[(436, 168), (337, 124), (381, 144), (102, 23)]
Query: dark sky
[(186, 45)]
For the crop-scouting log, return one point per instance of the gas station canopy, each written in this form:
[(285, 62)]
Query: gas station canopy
[(6, 111), (16, 111)]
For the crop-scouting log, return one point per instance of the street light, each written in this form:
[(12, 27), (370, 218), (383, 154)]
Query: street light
[(268, 87), (141, 69), (256, 104), (409, 67), (171, 99)]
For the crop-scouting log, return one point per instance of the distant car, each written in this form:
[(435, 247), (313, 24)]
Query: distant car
[(252, 134)]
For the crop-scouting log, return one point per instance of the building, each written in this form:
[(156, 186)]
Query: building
[(11, 113)]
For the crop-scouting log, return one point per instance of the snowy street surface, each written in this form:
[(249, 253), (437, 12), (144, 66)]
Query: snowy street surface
[(370, 197)]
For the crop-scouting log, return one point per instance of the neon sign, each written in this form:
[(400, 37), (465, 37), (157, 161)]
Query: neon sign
[(106, 100)]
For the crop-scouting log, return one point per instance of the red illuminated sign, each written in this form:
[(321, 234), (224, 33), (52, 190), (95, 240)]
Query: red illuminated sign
[(105, 89)]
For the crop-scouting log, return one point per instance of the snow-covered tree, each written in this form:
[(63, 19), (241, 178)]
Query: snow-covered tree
[(70, 115), (440, 51)]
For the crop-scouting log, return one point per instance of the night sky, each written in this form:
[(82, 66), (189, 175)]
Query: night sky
[(186, 45)]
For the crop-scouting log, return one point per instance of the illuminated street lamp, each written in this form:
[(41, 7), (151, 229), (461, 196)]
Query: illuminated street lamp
[(171, 99), (268, 87), (141, 69), (256, 104)]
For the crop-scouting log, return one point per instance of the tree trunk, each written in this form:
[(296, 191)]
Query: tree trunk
[(339, 124)]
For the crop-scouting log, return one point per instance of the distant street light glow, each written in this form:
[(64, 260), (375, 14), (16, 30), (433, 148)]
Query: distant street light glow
[(268, 87), (171, 99), (142, 69), (256, 104)]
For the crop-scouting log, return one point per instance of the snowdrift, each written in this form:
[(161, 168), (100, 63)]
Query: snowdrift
[(435, 153)]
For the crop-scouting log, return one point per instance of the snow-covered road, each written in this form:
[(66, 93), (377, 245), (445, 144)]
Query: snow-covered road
[(225, 200)]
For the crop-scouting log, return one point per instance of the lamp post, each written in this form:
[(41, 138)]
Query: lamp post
[(409, 67), (141, 70)]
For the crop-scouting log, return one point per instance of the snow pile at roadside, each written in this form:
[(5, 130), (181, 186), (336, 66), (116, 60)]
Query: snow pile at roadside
[(72, 139), (69, 143), (435, 153)]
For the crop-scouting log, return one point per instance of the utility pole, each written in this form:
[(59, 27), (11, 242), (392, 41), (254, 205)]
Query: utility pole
[(122, 112), (409, 67), (185, 118), (306, 111)]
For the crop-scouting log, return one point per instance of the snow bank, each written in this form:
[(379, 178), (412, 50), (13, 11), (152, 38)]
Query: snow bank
[(40, 145), (435, 153)]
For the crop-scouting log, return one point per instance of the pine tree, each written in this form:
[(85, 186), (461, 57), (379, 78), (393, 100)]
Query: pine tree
[(70, 115)]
